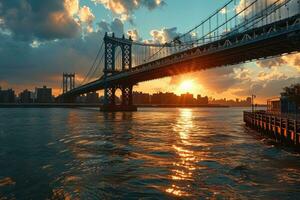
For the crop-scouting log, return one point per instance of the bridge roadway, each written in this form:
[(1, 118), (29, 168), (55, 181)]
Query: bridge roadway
[(274, 39)]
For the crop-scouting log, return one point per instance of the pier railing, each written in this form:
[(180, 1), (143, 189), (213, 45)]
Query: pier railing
[(284, 128)]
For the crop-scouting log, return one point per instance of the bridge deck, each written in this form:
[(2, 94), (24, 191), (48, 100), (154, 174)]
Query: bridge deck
[(270, 40)]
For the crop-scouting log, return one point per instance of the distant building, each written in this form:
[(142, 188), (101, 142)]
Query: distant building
[(25, 97), (43, 95), (249, 101), (7, 96), (202, 100), (187, 99), (81, 99), (238, 102), (92, 97), (141, 98), (164, 98)]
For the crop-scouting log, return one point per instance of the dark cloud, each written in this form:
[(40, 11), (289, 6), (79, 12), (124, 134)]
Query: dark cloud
[(274, 62), (116, 26), (43, 20), (23, 65)]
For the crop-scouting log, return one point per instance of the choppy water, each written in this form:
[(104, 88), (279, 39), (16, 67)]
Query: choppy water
[(196, 153)]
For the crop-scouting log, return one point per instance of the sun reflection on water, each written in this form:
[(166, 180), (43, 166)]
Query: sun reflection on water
[(182, 173)]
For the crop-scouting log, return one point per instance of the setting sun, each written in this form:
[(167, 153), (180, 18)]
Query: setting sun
[(186, 86)]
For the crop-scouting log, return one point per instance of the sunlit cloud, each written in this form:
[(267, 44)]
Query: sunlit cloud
[(125, 9)]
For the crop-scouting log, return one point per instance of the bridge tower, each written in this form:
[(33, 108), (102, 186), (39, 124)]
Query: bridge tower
[(111, 44), (68, 82)]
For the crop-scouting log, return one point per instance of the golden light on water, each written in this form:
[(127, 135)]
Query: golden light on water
[(184, 167)]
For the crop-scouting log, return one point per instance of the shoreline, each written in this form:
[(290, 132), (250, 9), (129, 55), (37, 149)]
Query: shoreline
[(77, 105)]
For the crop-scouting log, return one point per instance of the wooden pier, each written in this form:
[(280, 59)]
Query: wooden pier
[(283, 128)]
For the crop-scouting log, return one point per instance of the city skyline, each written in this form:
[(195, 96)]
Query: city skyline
[(44, 95), (43, 55), (149, 99)]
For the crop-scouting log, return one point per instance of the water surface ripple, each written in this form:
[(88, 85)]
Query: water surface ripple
[(199, 153)]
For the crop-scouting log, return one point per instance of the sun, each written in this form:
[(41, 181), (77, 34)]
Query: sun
[(187, 86)]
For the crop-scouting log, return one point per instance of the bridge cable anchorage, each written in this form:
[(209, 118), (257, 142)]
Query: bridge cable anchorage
[(93, 65)]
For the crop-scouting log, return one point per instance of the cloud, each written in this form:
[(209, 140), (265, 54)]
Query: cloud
[(86, 17), (125, 8), (43, 20), (292, 60), (134, 34), (268, 89), (217, 79), (163, 35), (116, 27), (42, 63)]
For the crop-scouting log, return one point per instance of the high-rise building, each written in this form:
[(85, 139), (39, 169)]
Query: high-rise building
[(141, 98), (7, 96), (202, 100), (187, 99), (43, 95), (25, 97), (164, 98), (92, 97)]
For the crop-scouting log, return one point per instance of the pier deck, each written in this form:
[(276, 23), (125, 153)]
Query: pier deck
[(283, 128)]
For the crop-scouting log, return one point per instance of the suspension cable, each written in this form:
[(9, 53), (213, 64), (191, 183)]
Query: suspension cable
[(93, 65)]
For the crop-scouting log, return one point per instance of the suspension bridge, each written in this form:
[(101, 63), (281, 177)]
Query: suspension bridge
[(240, 31)]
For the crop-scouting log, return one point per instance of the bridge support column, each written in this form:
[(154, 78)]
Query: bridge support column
[(110, 100), (111, 43), (127, 95), (110, 96)]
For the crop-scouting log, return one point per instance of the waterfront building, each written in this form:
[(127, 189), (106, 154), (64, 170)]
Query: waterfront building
[(164, 98), (81, 99), (7, 96), (248, 101), (273, 105), (141, 98), (287, 103), (202, 100), (92, 97), (25, 97), (187, 99), (43, 95), (290, 100)]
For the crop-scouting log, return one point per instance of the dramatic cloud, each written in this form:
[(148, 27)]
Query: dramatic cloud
[(217, 79), (116, 27), (125, 8), (164, 35), (292, 60), (27, 20), (43, 63), (86, 17), (134, 35), (44, 20)]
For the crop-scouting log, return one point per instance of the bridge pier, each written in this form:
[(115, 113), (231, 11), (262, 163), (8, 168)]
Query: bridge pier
[(110, 99), (110, 68)]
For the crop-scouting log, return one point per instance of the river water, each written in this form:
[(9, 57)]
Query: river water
[(198, 153)]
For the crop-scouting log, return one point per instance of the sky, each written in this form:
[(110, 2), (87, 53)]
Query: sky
[(39, 40)]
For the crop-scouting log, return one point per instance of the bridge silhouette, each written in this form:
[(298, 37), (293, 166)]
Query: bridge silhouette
[(238, 32)]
